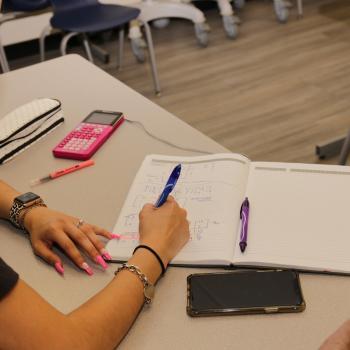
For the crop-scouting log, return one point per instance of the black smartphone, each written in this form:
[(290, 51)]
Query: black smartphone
[(244, 292)]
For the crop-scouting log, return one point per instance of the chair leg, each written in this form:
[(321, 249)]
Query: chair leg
[(64, 42), (87, 48), (120, 48), (45, 32), (152, 58), (345, 150), (300, 8), (99, 53), (3, 60)]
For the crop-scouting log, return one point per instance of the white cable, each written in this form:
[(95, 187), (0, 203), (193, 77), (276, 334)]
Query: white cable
[(165, 141)]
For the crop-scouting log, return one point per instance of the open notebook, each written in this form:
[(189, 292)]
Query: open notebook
[(299, 213)]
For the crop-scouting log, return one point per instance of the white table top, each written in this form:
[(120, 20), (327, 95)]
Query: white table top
[(97, 194)]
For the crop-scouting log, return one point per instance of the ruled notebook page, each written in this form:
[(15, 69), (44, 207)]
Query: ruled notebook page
[(210, 188), (299, 217)]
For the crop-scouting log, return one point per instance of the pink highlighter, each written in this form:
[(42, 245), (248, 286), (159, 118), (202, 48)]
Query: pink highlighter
[(87, 137), (57, 173)]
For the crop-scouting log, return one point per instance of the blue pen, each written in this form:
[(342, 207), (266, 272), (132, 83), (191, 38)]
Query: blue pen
[(244, 227), (174, 176)]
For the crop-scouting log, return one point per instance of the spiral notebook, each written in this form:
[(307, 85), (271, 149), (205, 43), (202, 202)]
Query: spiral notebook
[(298, 212)]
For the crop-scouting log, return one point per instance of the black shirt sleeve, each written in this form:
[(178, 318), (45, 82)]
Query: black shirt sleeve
[(8, 278)]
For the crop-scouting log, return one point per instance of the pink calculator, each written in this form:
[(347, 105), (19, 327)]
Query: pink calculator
[(89, 136)]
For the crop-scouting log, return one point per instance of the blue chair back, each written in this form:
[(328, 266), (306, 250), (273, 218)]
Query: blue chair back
[(62, 5), (24, 5), (87, 16)]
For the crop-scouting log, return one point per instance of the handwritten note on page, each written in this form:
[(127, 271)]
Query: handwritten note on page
[(210, 188)]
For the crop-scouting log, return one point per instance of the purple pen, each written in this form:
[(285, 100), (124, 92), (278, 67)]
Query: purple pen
[(244, 215)]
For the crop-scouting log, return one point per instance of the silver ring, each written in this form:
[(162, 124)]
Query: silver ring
[(79, 223)]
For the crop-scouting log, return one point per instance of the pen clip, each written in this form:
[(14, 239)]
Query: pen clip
[(174, 176), (245, 204)]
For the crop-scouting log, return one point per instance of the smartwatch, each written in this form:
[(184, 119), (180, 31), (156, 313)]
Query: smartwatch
[(21, 205)]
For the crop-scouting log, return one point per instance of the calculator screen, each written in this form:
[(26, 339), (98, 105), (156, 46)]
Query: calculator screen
[(99, 117)]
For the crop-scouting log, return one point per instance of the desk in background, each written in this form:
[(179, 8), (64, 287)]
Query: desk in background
[(97, 194)]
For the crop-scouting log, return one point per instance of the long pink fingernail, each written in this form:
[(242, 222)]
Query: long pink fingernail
[(87, 269), (59, 268), (100, 260), (115, 235), (105, 254)]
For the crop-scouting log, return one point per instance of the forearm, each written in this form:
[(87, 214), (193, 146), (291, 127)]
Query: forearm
[(27, 321), (339, 340), (115, 308), (6, 199)]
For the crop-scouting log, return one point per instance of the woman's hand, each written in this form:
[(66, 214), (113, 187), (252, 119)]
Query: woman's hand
[(46, 227), (339, 340), (164, 229)]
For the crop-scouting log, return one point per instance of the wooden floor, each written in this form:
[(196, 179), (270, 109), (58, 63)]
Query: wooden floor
[(272, 94)]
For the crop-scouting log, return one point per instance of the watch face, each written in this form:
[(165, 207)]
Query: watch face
[(27, 197)]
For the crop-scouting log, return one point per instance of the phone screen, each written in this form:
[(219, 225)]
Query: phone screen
[(244, 290), (100, 117)]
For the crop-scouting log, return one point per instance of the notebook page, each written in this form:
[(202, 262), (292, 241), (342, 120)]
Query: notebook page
[(299, 217), (210, 188)]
